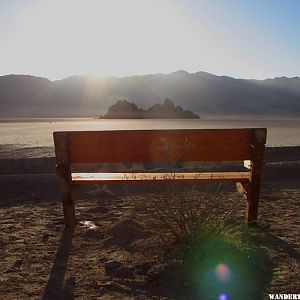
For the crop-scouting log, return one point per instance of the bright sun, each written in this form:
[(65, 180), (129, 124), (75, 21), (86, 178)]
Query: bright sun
[(102, 37)]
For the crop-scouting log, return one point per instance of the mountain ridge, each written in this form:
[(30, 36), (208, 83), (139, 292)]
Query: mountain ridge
[(200, 92)]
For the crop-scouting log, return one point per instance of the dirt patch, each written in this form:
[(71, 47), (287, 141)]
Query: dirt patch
[(126, 232)]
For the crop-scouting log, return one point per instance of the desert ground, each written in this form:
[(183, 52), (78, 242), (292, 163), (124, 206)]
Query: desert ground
[(113, 253)]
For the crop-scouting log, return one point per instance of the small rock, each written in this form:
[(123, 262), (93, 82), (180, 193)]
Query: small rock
[(123, 272), (143, 268), (88, 224), (14, 238), (111, 264), (103, 259), (97, 210), (127, 231), (104, 284), (156, 271), (45, 237), (18, 264), (91, 233)]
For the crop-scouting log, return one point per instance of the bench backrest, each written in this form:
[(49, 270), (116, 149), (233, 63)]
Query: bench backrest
[(158, 145)]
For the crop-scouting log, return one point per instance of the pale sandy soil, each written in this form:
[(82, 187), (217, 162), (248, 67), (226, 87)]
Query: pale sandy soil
[(41, 260)]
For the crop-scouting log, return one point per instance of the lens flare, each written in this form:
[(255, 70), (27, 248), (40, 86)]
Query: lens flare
[(223, 297), (222, 273)]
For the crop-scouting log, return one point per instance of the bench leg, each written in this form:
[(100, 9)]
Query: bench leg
[(256, 169), (253, 199), (68, 201)]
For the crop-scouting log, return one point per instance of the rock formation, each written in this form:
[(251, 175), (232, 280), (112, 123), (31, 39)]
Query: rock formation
[(128, 110)]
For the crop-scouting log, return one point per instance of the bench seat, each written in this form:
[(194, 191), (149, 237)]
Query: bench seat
[(88, 178)]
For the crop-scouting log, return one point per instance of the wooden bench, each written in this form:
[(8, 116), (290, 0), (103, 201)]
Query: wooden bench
[(161, 146)]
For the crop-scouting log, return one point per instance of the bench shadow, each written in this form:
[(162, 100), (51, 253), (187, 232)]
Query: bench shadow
[(279, 245), (55, 288)]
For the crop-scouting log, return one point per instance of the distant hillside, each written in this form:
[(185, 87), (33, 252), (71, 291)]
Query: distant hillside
[(202, 93), (167, 110)]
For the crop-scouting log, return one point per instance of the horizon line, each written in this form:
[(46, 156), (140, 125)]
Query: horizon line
[(99, 77)]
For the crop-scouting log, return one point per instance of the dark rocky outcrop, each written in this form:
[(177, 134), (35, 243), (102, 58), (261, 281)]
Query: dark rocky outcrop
[(124, 110), (127, 110)]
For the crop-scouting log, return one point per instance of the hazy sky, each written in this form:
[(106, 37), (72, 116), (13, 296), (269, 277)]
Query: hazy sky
[(239, 38)]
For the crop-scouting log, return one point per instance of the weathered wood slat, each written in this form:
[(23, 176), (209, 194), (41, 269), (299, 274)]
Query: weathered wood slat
[(133, 153), (87, 178), (146, 137), (159, 145)]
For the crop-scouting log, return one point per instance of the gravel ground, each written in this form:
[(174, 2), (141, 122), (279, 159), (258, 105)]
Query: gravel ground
[(39, 259)]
